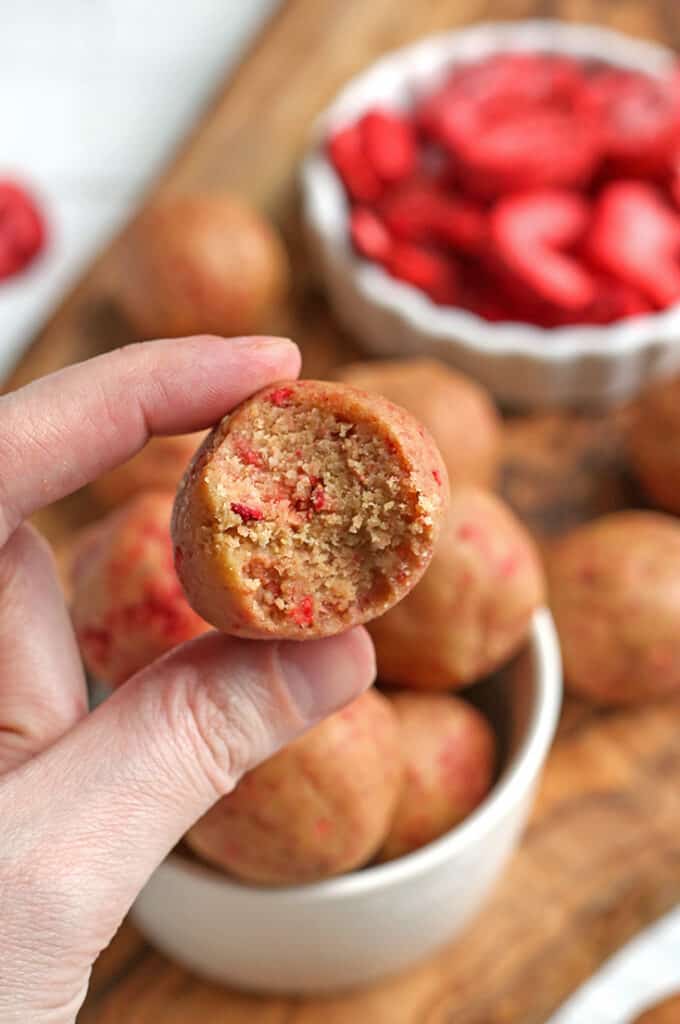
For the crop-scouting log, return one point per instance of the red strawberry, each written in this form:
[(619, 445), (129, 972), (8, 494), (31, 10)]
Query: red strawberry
[(22, 229), (420, 212), (369, 235), (613, 301), (515, 121), (529, 148), (635, 237), (640, 121), (501, 82), (431, 272), (389, 144), (674, 182), (529, 231), (346, 152)]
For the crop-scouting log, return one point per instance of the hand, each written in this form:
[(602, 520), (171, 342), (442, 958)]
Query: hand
[(90, 804)]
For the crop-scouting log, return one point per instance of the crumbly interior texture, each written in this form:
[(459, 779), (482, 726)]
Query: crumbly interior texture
[(317, 514)]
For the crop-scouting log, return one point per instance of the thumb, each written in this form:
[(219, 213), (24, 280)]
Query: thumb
[(106, 803)]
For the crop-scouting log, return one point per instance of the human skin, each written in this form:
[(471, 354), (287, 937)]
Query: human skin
[(90, 804), (615, 595), (449, 752), (320, 807)]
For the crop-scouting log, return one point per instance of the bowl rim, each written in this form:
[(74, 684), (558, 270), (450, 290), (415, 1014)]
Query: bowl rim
[(520, 774), (325, 205)]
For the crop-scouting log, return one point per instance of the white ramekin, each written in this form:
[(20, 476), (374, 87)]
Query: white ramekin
[(354, 929), (521, 364)]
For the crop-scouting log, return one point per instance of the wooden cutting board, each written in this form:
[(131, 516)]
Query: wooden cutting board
[(601, 857)]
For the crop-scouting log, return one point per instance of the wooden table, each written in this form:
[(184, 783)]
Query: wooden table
[(601, 857)]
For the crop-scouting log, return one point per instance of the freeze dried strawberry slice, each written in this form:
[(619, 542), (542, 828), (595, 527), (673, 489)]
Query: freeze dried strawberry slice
[(640, 119), (674, 181), (22, 229), (410, 211), (346, 152), (369, 235), (516, 121), (614, 301), (431, 272), (525, 149), (522, 76), (635, 237), (500, 83), (420, 212), (389, 145), (529, 233)]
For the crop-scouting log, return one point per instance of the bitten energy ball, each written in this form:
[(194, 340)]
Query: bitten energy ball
[(615, 594), (317, 808), (654, 444), (472, 609), (449, 757), (199, 265), (667, 1012), (459, 413), (128, 607), (160, 466), (311, 508)]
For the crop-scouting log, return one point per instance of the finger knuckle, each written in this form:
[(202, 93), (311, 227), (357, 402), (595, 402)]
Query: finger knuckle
[(217, 726)]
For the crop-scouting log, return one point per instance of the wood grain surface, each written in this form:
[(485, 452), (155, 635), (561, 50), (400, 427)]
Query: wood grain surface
[(601, 856)]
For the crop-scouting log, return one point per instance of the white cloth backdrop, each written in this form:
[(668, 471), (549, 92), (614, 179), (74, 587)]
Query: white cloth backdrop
[(94, 95)]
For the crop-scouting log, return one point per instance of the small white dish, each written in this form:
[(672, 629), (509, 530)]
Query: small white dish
[(520, 363), (354, 929)]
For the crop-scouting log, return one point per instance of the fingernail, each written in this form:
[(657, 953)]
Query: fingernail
[(259, 342), (324, 675)]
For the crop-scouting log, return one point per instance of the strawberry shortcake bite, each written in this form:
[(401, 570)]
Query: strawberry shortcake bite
[(127, 604), (310, 508)]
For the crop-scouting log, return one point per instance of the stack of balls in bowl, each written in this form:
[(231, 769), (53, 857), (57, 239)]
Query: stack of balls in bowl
[(526, 187), (311, 485)]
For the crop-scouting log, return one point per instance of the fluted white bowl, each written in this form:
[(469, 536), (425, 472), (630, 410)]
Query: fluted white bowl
[(521, 364)]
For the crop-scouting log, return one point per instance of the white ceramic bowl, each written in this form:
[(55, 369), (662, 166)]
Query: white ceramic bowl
[(354, 929), (521, 364)]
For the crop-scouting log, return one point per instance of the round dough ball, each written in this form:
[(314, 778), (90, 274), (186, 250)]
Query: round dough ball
[(615, 594), (311, 508), (319, 807), (654, 444), (472, 609), (203, 264), (159, 466), (667, 1012), (127, 606), (449, 754), (456, 410)]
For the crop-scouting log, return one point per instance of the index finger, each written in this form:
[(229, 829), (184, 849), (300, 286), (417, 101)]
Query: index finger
[(60, 432)]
